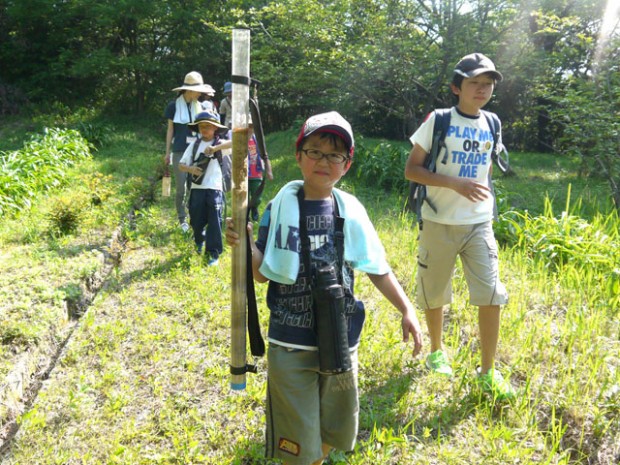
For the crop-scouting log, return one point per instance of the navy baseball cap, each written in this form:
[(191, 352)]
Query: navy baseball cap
[(476, 64)]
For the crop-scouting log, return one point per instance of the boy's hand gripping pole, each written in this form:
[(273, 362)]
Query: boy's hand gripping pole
[(240, 96)]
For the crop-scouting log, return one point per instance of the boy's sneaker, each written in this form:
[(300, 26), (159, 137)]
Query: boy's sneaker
[(184, 227), (438, 362), (213, 261), (199, 248), (494, 384)]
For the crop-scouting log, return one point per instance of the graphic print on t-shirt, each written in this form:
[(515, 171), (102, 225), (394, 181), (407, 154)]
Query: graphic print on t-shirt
[(254, 171), (292, 315), (474, 149), (295, 298)]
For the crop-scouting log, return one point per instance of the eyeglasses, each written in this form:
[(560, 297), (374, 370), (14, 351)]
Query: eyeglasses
[(334, 158)]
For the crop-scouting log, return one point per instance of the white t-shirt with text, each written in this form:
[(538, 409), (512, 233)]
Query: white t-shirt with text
[(469, 144)]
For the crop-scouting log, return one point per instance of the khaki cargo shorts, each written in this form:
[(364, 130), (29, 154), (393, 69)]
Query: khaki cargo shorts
[(306, 408), (439, 246)]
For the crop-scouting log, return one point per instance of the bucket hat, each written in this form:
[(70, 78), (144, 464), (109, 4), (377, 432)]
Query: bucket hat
[(206, 117), (193, 81), (210, 90)]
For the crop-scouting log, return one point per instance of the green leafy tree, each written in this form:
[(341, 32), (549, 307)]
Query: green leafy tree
[(383, 63), (550, 46), (587, 113), (121, 53), (297, 52)]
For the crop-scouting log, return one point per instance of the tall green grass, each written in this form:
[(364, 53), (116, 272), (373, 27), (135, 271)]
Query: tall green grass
[(586, 253), (145, 377), (39, 166)]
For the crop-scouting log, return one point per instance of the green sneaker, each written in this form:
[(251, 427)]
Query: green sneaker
[(494, 384), (438, 362)]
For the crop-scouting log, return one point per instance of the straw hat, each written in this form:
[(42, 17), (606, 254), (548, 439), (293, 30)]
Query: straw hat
[(210, 90), (206, 117), (193, 81)]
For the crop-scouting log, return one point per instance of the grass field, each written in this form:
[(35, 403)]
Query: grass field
[(120, 348)]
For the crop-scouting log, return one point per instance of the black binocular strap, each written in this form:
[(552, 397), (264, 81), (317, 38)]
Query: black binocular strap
[(305, 240), (257, 344)]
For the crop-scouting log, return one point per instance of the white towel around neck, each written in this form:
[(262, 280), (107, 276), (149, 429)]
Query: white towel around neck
[(181, 114), (362, 246)]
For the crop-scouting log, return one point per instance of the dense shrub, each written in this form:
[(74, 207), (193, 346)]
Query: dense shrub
[(66, 213), (97, 134), (39, 166), (382, 166)]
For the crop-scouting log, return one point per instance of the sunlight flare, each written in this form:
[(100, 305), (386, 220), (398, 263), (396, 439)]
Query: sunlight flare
[(609, 27)]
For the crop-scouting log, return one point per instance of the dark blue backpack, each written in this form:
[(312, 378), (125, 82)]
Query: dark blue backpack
[(417, 192), (225, 164)]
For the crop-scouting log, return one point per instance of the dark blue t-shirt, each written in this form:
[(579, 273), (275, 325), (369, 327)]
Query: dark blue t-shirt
[(181, 131), (291, 319)]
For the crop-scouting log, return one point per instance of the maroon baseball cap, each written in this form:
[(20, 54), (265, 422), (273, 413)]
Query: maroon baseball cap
[(331, 121), (476, 64)]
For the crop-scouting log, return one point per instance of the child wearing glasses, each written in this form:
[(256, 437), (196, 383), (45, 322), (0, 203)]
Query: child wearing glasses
[(312, 409)]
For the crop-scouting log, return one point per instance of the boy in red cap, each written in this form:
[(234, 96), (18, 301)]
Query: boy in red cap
[(312, 394), (457, 219)]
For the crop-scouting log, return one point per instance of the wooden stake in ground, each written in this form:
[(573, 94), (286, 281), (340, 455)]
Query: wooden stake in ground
[(165, 183), (240, 98)]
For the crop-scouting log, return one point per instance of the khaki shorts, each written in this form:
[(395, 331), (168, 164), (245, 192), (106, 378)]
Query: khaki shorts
[(306, 409), (439, 245)]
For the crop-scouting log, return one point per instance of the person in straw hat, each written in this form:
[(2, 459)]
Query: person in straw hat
[(206, 100), (179, 113)]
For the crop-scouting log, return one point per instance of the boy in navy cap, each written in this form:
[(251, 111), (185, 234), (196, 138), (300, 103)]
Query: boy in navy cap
[(202, 160), (311, 410), (461, 222)]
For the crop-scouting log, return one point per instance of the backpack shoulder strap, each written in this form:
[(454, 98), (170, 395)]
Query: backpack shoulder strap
[(304, 240), (195, 149), (442, 121), (494, 125), (417, 192), (218, 154), (440, 130), (261, 147)]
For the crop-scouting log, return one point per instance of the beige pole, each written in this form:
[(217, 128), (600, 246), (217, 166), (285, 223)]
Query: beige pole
[(240, 107)]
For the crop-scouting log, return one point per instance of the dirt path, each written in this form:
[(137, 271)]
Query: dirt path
[(143, 376)]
